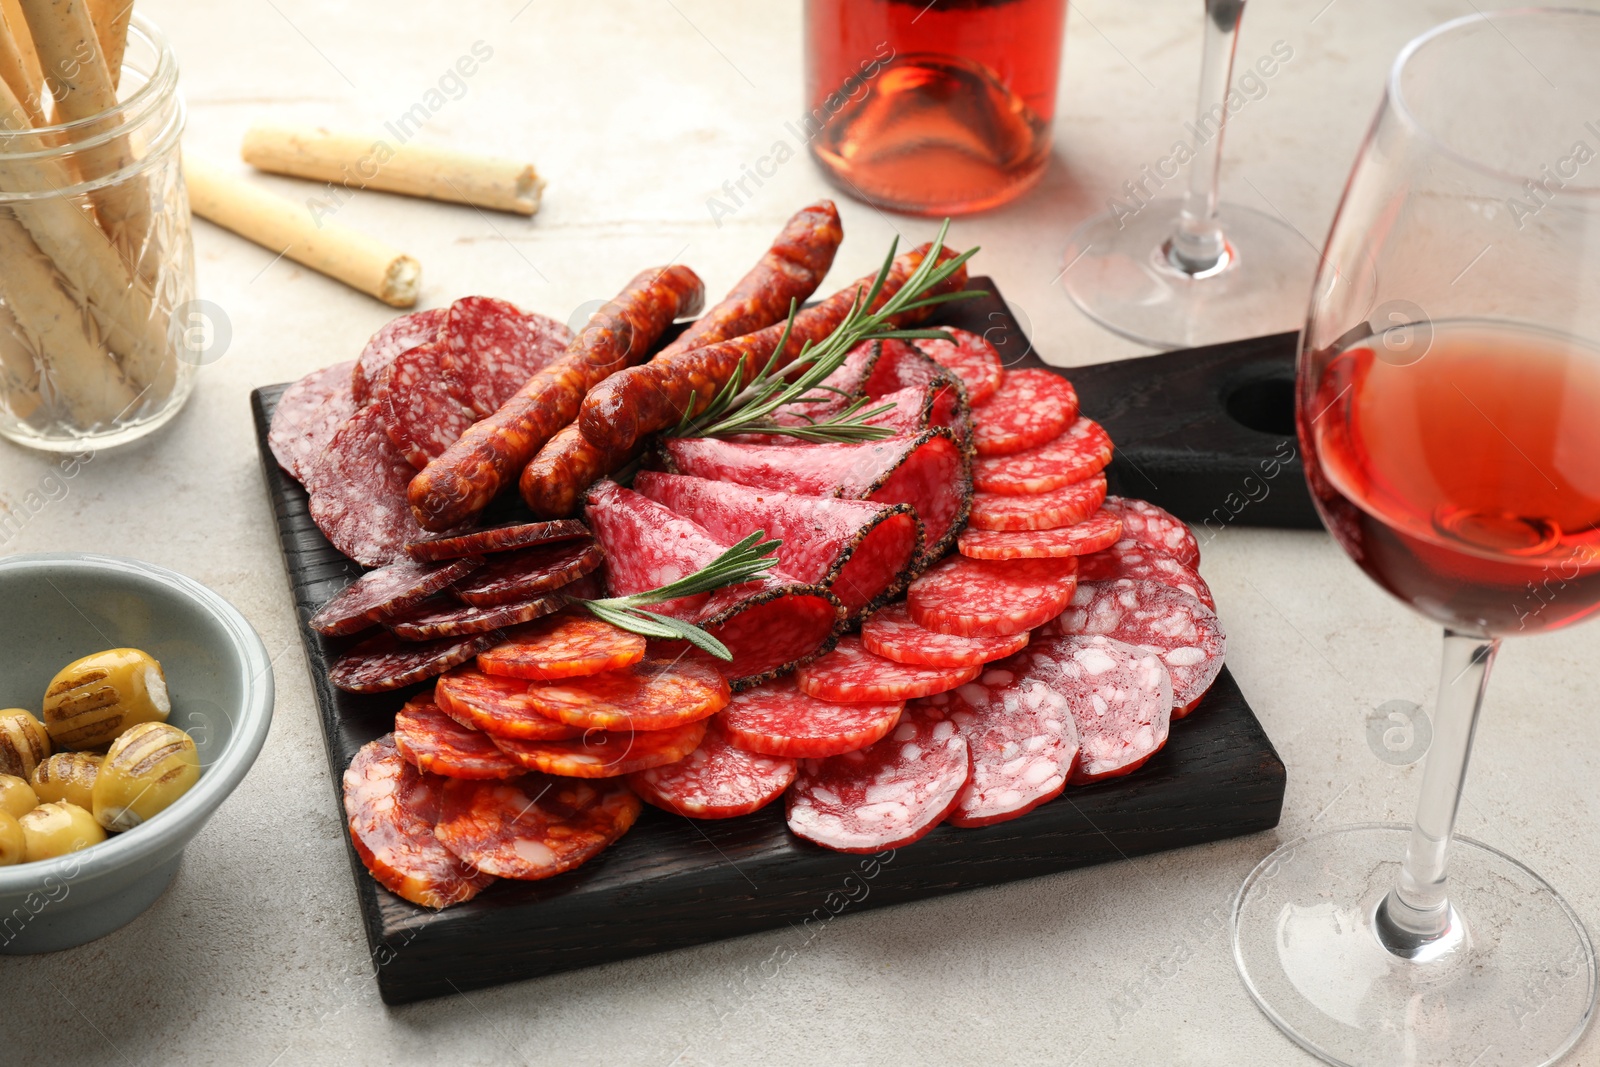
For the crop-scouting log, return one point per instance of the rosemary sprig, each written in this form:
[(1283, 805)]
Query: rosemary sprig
[(744, 562), (741, 407)]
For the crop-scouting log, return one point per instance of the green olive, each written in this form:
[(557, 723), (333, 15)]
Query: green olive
[(13, 842), (97, 697), (17, 797), (58, 829), (67, 776), (23, 742), (145, 770)]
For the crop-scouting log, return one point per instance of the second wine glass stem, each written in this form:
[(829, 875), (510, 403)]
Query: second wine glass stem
[(1198, 245), (1417, 912)]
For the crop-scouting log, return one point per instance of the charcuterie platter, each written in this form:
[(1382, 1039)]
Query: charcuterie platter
[(608, 718)]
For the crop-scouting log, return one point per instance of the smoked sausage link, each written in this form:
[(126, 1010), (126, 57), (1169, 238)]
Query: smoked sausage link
[(461, 481), (643, 400)]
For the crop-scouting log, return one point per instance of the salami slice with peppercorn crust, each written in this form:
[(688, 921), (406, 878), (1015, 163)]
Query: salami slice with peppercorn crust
[(308, 414), (495, 705), (1099, 531), (885, 796), (859, 550), (535, 826), (715, 781), (1156, 527), (573, 645), (1030, 408), (984, 598), (390, 808), (436, 743), (603, 754), (927, 471), (891, 633), (835, 392), (1083, 450), (769, 625), (851, 674), (385, 592), (1120, 696), (776, 719)]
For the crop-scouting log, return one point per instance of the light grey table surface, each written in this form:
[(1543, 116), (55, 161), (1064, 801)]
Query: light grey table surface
[(637, 111)]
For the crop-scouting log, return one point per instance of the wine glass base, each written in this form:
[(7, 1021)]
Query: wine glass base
[(1519, 990), (1118, 274)]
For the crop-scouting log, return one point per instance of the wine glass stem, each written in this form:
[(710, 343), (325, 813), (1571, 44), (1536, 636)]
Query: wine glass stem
[(1197, 246), (1417, 910)]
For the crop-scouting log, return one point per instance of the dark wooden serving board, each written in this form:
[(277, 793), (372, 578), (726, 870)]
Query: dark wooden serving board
[(672, 882)]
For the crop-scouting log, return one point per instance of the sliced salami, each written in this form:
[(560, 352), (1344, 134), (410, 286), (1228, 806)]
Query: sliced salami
[(358, 492), (891, 633), (490, 348), (910, 409), (970, 358), (885, 796), (563, 646), (530, 572), (1156, 527), (1120, 696), (438, 744), (834, 392), (859, 550), (767, 625), (1021, 736), (1135, 559), (1099, 531), (601, 754), (1083, 450), (1067, 506), (308, 414), (653, 694), (901, 366), (777, 719), (1183, 632), (390, 808), (436, 618), (498, 706), (398, 335), (852, 675), (384, 592), (505, 538), (927, 471), (421, 415), (535, 826), (987, 598), (383, 662), (1030, 408), (715, 781)]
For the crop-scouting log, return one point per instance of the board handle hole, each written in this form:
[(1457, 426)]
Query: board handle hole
[(1265, 405)]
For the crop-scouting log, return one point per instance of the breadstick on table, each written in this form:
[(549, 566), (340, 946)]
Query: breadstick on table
[(284, 227), (361, 162), (110, 18)]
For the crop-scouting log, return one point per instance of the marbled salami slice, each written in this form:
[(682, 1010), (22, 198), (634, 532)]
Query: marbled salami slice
[(715, 781), (927, 471), (991, 598), (1021, 736), (850, 674), (653, 694), (490, 348), (535, 826), (1030, 408), (891, 633), (420, 413), (506, 538), (530, 572), (440, 617), (1067, 506), (1183, 632), (1135, 559), (1099, 531), (885, 796), (438, 744), (308, 414), (1120, 696), (777, 719), (358, 492), (397, 335), (1083, 450), (1156, 527), (385, 592), (573, 645), (498, 706), (970, 358), (602, 754), (390, 808), (859, 550), (384, 662)]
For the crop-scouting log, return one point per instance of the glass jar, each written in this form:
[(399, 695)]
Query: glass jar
[(97, 265), (933, 108)]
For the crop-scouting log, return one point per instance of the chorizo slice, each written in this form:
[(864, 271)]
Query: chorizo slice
[(535, 826)]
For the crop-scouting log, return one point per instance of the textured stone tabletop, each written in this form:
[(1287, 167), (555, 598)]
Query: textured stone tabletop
[(637, 111)]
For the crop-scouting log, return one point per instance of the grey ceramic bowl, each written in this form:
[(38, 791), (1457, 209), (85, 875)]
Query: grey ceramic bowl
[(55, 608)]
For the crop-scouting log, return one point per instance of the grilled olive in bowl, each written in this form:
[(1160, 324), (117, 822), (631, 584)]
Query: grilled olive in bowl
[(144, 772), (17, 797), (92, 700), (67, 776), (24, 743)]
